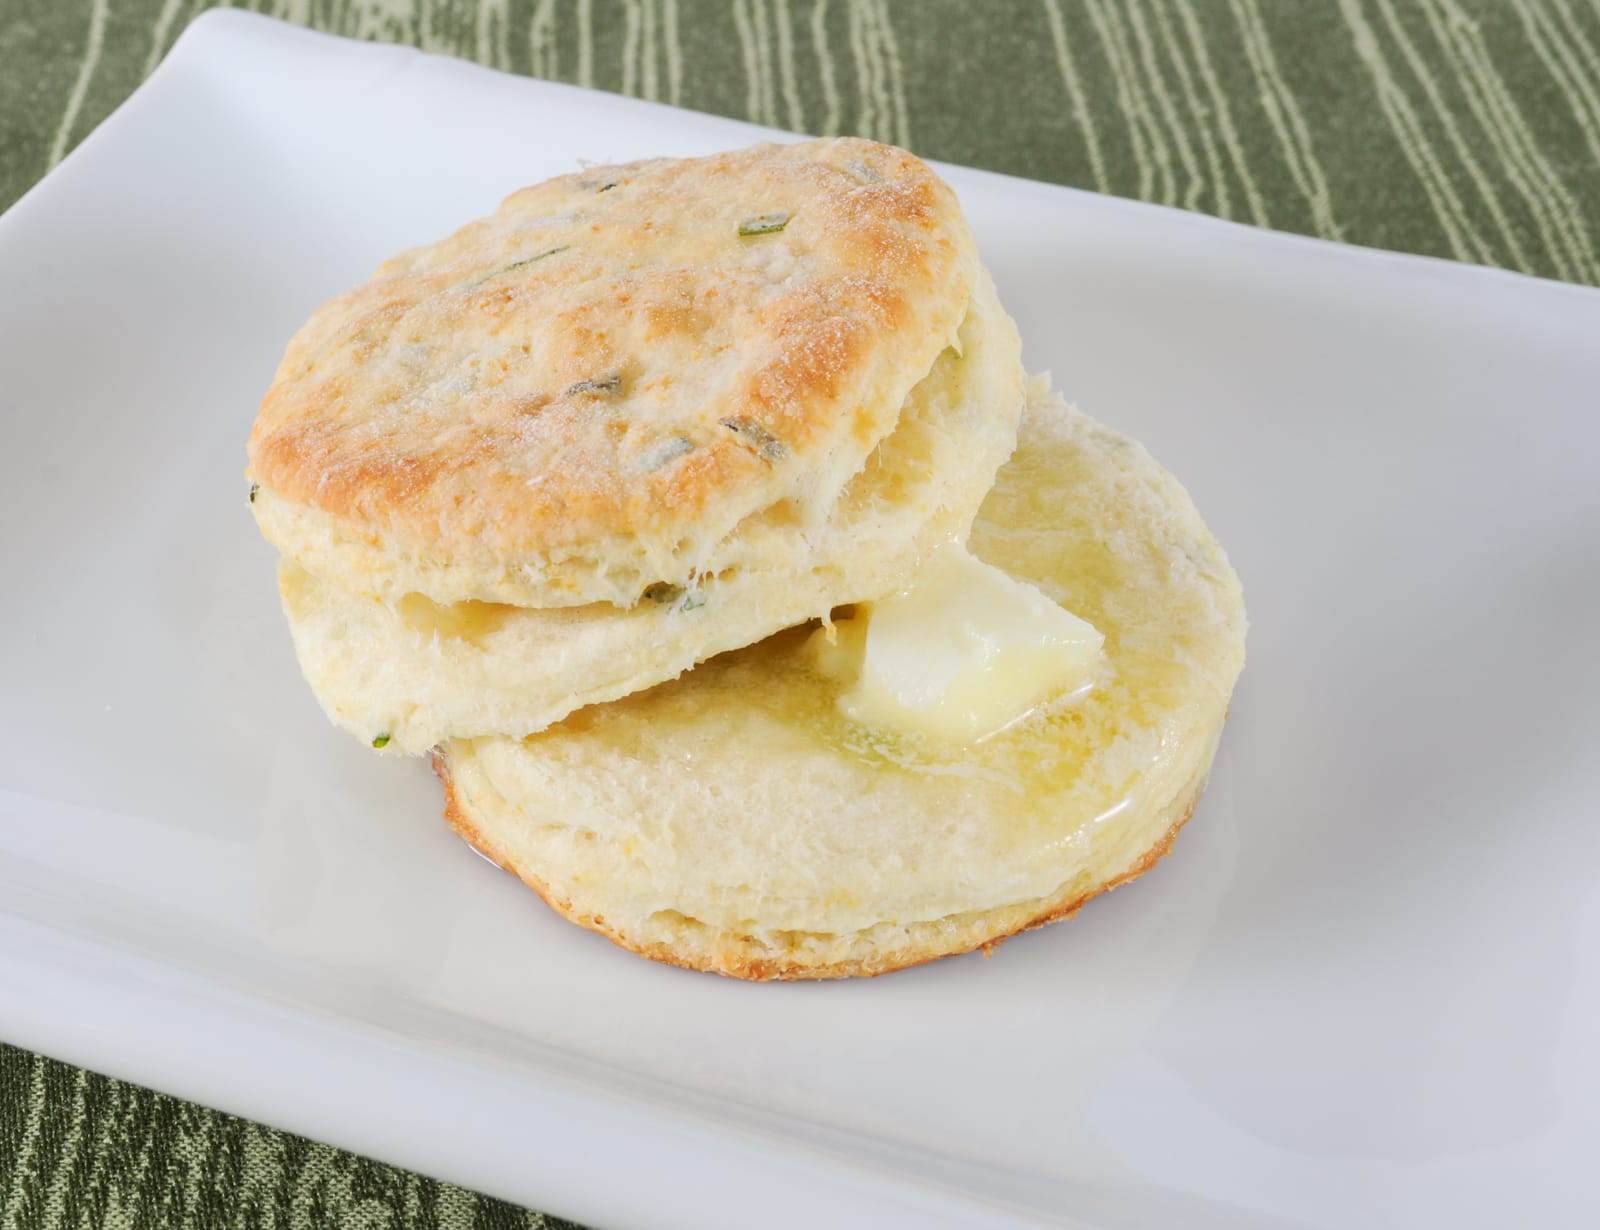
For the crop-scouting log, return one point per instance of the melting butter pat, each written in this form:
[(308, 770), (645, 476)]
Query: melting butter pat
[(964, 652)]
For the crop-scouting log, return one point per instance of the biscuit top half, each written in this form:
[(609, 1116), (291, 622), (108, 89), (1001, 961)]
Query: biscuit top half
[(579, 395)]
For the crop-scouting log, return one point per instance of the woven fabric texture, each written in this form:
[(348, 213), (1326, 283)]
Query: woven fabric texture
[(1465, 129)]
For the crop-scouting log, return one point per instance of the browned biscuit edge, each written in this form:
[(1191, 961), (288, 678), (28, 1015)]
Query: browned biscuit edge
[(733, 960)]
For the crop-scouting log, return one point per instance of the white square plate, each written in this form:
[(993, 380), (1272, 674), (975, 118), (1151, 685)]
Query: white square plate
[(1365, 989)]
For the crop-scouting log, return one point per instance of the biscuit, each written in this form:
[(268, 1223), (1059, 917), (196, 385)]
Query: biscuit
[(412, 673), (735, 821), (584, 393)]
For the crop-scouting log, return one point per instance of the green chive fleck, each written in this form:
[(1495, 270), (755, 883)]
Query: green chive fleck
[(381, 741), (757, 438), (518, 265), (600, 386), (606, 187), (530, 260), (254, 487), (662, 593), (764, 224), (866, 174), (665, 453)]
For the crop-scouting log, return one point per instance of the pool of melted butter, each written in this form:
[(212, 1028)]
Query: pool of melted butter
[(1063, 519)]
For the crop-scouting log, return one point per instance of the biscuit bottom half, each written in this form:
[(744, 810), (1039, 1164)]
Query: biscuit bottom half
[(735, 821)]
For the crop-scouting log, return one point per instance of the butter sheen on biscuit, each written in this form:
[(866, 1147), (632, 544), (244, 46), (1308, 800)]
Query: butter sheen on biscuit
[(802, 845)]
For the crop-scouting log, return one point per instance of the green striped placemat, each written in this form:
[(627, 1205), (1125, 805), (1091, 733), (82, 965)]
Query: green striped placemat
[(1466, 129)]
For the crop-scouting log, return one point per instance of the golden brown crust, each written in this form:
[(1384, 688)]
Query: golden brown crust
[(733, 958), (606, 369)]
